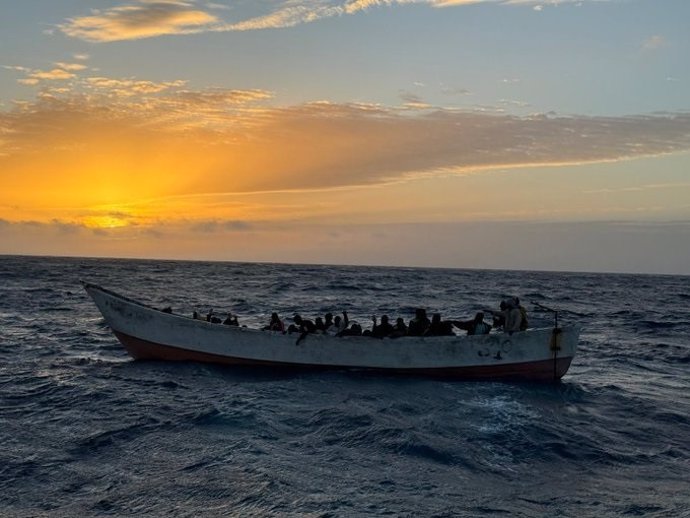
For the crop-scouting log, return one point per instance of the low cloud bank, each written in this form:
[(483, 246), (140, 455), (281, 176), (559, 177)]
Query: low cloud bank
[(630, 247), (227, 141)]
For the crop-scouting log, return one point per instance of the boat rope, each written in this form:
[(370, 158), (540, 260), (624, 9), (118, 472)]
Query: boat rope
[(555, 346), (555, 343)]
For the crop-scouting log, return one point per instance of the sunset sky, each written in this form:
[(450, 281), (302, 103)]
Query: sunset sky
[(520, 134)]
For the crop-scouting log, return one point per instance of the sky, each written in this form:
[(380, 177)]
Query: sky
[(504, 134)]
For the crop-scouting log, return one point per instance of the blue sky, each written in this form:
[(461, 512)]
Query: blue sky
[(617, 57)]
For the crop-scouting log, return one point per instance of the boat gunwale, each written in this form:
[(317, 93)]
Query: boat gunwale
[(89, 285)]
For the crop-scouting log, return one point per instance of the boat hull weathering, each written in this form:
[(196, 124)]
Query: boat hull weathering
[(542, 354)]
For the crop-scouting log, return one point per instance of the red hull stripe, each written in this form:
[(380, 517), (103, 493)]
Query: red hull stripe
[(544, 370)]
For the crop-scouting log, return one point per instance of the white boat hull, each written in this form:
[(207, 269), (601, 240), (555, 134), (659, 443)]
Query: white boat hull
[(149, 334)]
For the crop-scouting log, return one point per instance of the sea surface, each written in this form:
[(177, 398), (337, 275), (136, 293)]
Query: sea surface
[(86, 431)]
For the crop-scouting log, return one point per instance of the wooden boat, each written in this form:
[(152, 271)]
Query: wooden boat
[(147, 333)]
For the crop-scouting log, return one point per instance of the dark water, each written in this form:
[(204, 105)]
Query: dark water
[(85, 431)]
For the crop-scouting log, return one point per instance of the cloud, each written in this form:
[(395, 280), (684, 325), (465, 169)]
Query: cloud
[(143, 20), (72, 67), (215, 226), (151, 18), (51, 75), (413, 101), (130, 87), (654, 43), (642, 188), (228, 141), (598, 246), (448, 90), (294, 13), (62, 72)]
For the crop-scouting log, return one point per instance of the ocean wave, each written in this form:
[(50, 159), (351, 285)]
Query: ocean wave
[(86, 430)]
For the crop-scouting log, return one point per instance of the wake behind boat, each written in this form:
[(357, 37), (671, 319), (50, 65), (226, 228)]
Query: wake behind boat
[(542, 354)]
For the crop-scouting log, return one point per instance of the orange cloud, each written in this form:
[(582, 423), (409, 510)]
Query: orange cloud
[(56, 73), (148, 19), (218, 135), (106, 160)]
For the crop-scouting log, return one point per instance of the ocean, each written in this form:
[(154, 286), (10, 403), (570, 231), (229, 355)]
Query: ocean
[(86, 431)]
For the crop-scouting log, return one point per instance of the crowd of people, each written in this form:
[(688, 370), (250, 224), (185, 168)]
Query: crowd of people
[(230, 320), (511, 317)]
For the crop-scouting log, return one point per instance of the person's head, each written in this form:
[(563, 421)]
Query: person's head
[(329, 317), (274, 317), (503, 305), (297, 319), (479, 317), (384, 319), (337, 320), (400, 321)]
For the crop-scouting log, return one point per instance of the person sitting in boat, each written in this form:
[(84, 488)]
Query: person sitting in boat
[(476, 326), (211, 318), (381, 330), (230, 320), (276, 324), (301, 325), (399, 328), (499, 317), (328, 320), (320, 325), (339, 325), (354, 330), (419, 324), (439, 327)]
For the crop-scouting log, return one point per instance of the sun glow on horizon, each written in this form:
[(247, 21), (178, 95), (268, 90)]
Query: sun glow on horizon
[(106, 221)]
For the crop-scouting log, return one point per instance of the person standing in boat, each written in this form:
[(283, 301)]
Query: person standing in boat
[(510, 316), (523, 314)]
